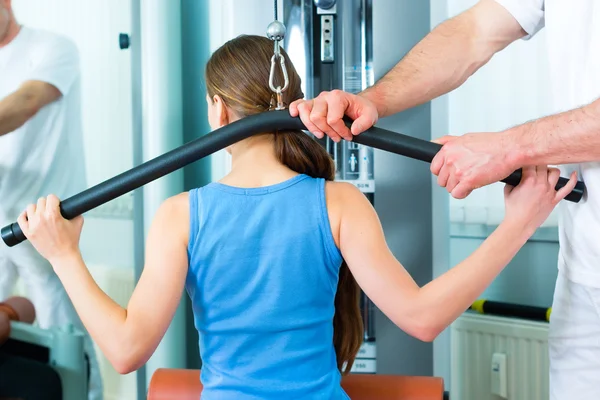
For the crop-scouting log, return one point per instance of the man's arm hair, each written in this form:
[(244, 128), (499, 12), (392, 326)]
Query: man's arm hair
[(20, 106), (568, 137), (445, 58)]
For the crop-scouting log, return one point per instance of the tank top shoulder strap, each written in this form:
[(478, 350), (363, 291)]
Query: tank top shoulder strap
[(196, 217), (332, 250)]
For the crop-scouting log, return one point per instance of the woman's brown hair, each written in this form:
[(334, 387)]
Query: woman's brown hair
[(238, 72)]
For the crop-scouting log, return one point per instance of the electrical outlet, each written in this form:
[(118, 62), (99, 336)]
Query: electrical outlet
[(499, 384)]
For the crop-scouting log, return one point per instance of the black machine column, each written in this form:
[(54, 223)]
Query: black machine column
[(332, 41)]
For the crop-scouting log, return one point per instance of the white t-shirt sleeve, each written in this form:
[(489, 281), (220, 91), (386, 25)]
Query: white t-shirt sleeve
[(528, 13), (56, 63)]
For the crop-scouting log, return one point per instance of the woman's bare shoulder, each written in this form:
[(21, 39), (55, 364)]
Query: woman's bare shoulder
[(342, 192), (174, 213), (341, 198)]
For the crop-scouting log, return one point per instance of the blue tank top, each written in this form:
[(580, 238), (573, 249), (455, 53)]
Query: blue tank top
[(262, 278)]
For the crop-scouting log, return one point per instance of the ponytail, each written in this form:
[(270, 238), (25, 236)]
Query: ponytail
[(303, 154)]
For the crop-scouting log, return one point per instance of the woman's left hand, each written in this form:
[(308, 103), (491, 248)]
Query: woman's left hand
[(49, 232)]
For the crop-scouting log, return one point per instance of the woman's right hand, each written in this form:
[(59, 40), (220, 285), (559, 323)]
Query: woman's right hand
[(531, 202)]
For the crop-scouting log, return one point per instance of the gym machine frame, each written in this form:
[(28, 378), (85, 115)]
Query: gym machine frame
[(335, 39)]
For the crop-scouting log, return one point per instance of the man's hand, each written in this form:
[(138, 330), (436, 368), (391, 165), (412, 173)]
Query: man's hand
[(325, 113), (468, 162)]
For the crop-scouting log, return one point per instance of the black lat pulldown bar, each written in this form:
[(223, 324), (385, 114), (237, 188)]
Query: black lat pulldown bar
[(219, 139)]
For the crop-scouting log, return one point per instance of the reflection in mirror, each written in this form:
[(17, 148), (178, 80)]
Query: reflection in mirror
[(103, 80), (106, 108)]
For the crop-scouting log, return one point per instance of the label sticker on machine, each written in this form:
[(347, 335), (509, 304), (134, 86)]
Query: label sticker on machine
[(367, 350), (353, 82), (364, 367), (358, 77), (365, 186)]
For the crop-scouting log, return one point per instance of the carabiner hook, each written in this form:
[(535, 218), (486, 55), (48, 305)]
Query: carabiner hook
[(276, 32), (278, 90)]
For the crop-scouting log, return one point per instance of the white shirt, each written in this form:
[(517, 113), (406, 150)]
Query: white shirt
[(572, 30), (45, 155)]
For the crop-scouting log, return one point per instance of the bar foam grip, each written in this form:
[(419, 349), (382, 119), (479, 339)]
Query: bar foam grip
[(425, 151), (219, 139), (513, 310)]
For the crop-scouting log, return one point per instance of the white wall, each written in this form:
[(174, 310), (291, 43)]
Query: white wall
[(510, 90), (106, 109)]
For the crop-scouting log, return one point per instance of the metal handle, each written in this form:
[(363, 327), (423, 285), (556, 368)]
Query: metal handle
[(226, 136), (124, 41)]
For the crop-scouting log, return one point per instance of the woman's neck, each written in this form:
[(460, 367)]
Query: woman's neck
[(254, 164)]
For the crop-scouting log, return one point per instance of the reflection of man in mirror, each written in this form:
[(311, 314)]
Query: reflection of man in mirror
[(41, 152)]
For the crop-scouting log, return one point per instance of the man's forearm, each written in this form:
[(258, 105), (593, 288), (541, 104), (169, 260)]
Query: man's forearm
[(441, 62), (15, 110), (566, 138), (445, 58)]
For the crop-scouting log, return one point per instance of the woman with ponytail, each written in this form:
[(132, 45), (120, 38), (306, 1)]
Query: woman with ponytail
[(271, 255)]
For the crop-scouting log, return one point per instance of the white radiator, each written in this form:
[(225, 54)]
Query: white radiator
[(499, 355)]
